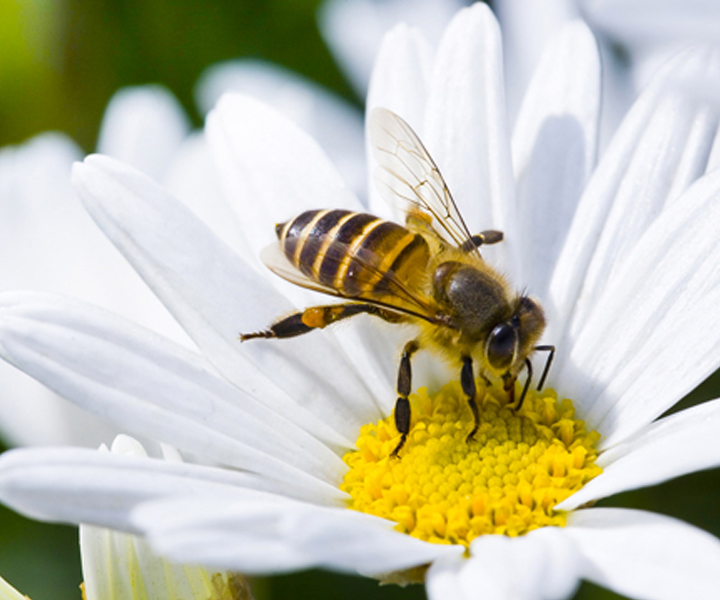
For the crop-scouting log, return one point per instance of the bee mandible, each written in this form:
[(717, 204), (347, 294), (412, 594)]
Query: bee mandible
[(428, 273)]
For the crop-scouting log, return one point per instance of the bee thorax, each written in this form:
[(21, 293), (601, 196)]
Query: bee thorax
[(475, 300)]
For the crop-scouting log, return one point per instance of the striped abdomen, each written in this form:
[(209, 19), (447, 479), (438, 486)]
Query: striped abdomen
[(354, 253)]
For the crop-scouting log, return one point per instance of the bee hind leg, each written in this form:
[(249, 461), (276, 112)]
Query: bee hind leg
[(404, 387), (467, 381), (318, 317)]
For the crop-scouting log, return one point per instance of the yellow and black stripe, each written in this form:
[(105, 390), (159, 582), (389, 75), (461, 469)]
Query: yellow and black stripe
[(356, 254)]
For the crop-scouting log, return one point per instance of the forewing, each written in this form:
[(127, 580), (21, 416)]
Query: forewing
[(397, 296), (275, 260), (408, 175)]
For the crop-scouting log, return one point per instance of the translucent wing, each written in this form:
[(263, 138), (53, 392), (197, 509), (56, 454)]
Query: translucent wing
[(408, 173), (396, 296)]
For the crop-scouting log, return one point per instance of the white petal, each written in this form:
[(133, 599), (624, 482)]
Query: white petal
[(215, 296), (542, 565), (43, 417), (714, 160), (152, 387), (554, 146), (646, 21), (193, 179), (128, 446), (527, 27), (50, 243), (86, 486), (271, 170), (466, 128), (144, 127), (354, 29), (655, 334), (676, 445), (122, 567), (8, 592), (333, 122), (41, 211), (646, 556), (661, 148), (400, 80), (401, 75), (267, 536), (117, 565)]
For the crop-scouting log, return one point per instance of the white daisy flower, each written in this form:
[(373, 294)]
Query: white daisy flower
[(119, 566), (289, 441)]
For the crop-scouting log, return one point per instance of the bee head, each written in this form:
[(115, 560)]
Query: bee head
[(511, 341)]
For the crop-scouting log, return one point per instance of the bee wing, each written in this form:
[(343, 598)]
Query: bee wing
[(274, 259), (408, 173), (399, 297)]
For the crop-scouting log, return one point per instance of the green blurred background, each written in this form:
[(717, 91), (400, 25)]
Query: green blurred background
[(60, 62)]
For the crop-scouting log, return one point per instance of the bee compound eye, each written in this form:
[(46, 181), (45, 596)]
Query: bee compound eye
[(501, 346)]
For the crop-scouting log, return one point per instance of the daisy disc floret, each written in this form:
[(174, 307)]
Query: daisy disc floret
[(448, 490)]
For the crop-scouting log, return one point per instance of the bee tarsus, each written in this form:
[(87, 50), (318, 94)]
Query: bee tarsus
[(484, 238), (265, 333)]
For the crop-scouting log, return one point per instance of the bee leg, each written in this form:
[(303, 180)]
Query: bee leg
[(318, 317), (484, 238), (551, 354), (404, 387), (526, 387), (467, 381), (284, 328), (509, 387)]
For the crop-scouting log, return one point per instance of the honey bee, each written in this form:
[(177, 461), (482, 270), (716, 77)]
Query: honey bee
[(428, 273)]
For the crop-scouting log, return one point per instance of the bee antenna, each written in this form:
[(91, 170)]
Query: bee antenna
[(523, 296), (551, 350), (528, 366)]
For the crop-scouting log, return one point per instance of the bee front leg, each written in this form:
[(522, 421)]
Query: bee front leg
[(509, 384), (467, 381), (404, 387), (509, 387)]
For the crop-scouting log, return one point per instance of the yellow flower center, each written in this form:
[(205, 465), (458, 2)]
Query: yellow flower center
[(445, 490)]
